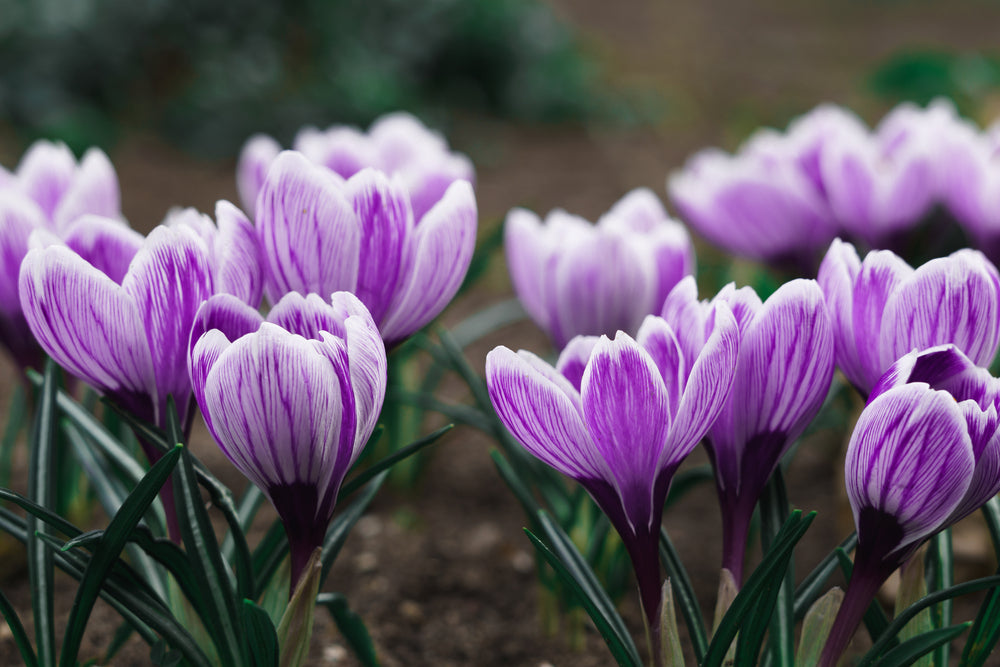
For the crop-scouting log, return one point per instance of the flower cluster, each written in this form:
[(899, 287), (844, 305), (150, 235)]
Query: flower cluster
[(784, 196)]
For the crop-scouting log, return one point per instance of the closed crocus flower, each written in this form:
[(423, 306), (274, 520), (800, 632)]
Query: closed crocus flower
[(575, 278), (924, 454), (19, 217), (320, 234), (619, 415), (397, 144), (291, 400), (783, 374), (64, 189), (233, 249), (971, 183), (882, 308)]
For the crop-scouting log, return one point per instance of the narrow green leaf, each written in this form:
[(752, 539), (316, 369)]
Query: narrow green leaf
[(774, 510), (769, 574), (17, 632), (261, 637), (351, 627), (362, 478), (118, 640), (515, 483), (341, 525), (944, 577), (985, 631), (489, 320), (816, 627), (37, 511), (910, 651), (295, 628), (246, 510), (991, 514), (221, 617), (41, 490), (815, 582), (268, 555), (108, 550), (456, 412), (912, 587), (672, 654), (690, 609), (622, 648)]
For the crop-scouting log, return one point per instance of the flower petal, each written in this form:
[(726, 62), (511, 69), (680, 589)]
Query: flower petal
[(106, 243), (984, 431), (237, 256), (528, 259), (658, 339), (94, 190), (687, 318), (881, 274), (574, 358), (306, 316), (837, 275), (45, 173), (442, 250), (255, 159), (309, 233)]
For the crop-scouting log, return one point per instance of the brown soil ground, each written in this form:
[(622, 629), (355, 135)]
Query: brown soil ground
[(442, 574)]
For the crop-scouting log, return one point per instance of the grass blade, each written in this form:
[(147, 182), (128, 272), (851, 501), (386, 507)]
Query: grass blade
[(774, 512), (17, 632), (351, 627), (812, 586), (384, 464), (262, 639), (685, 596)]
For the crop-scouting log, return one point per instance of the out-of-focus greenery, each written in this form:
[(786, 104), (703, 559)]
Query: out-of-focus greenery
[(209, 73), (971, 80)]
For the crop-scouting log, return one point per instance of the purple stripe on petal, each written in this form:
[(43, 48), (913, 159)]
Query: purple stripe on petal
[(19, 217), (574, 358), (527, 250), (306, 316), (627, 411), (657, 338), (309, 234), (94, 190), (255, 159), (911, 457), (837, 275), (687, 318), (881, 273), (984, 431), (106, 243), (237, 256), (442, 249), (536, 408), (368, 367)]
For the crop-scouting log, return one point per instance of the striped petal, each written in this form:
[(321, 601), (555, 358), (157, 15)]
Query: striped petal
[(837, 275), (94, 190), (106, 243), (881, 274), (236, 255), (574, 358), (255, 159)]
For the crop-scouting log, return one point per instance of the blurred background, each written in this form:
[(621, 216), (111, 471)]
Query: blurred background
[(561, 103)]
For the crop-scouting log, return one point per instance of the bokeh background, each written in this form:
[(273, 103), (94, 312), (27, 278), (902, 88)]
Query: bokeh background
[(562, 103)]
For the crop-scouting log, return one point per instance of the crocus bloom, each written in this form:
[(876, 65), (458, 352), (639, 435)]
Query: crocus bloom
[(971, 183), (19, 217), (575, 278), (233, 249), (320, 234), (882, 308), (291, 400), (782, 376), (619, 416), (925, 453), (397, 143), (64, 190)]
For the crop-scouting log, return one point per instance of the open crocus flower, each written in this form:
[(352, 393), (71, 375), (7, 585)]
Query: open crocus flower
[(320, 234), (782, 377), (233, 249), (575, 278), (19, 217), (291, 400), (50, 175), (882, 308), (619, 416), (925, 453), (397, 144)]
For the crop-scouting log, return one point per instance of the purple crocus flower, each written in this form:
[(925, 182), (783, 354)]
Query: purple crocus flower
[(320, 234), (19, 217), (782, 376), (397, 143), (233, 249), (882, 308), (291, 400), (971, 184), (64, 189), (575, 278), (619, 416), (925, 453)]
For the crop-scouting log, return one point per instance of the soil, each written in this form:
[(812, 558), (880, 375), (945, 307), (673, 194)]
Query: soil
[(442, 574)]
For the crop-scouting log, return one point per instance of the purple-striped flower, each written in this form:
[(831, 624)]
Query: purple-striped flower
[(397, 143), (291, 400), (925, 453), (233, 249), (619, 416), (19, 217), (64, 189), (971, 184), (882, 308), (321, 234), (782, 376), (128, 339), (575, 278)]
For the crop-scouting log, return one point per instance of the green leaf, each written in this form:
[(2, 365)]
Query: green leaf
[(767, 576), (251, 501), (912, 587), (351, 627), (342, 523), (885, 641), (816, 627), (572, 568), (774, 512), (670, 641), (944, 577), (384, 464), (910, 651), (815, 582), (221, 617), (17, 632), (120, 638), (295, 628), (690, 609), (487, 321), (41, 490), (110, 546), (268, 555), (985, 631), (991, 514), (261, 637)]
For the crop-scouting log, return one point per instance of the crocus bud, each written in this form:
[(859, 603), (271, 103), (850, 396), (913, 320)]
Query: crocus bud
[(924, 454), (319, 234), (619, 416), (291, 400), (576, 279), (882, 308)]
